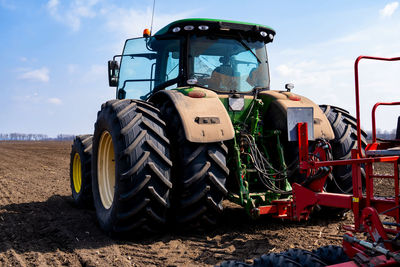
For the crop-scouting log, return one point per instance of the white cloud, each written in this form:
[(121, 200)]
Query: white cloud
[(72, 12), (389, 9), (40, 75), (329, 77), (54, 100)]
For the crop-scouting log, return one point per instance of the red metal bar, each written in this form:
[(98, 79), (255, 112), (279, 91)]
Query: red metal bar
[(369, 183), (318, 164), (359, 148), (357, 188), (373, 116), (268, 209), (302, 136), (373, 225), (396, 190)]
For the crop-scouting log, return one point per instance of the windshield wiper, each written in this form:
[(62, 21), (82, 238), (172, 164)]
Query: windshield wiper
[(240, 40)]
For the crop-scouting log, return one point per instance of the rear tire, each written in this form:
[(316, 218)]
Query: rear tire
[(80, 170), (344, 127), (131, 168), (200, 175)]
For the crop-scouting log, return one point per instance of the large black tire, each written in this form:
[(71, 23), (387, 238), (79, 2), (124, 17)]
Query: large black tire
[(199, 173), (331, 254), (292, 257), (80, 170), (131, 147), (345, 129), (234, 263), (266, 260), (305, 258), (275, 259)]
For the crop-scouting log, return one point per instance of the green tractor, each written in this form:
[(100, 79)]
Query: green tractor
[(194, 122)]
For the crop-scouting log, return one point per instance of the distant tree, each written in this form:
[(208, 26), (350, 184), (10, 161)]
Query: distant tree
[(383, 134), (65, 137)]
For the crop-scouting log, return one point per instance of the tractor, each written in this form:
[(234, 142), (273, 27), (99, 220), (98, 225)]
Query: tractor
[(195, 122)]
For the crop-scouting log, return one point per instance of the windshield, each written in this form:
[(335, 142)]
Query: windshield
[(146, 63), (224, 64)]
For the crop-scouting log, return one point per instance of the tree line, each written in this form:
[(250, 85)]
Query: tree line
[(383, 134), (34, 137)]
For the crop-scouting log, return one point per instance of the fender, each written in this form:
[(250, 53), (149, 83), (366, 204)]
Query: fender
[(203, 116), (283, 99)]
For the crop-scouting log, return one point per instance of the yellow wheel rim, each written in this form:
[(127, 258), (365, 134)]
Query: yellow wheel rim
[(77, 173), (106, 169)]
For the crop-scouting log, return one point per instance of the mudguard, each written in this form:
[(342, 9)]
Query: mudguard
[(282, 100), (204, 117)]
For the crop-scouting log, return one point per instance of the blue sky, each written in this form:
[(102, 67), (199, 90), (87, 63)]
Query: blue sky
[(54, 53)]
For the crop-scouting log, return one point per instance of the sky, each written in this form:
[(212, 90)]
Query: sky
[(54, 53)]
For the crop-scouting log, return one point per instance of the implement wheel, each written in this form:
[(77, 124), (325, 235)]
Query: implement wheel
[(80, 170), (131, 168), (331, 254), (200, 175)]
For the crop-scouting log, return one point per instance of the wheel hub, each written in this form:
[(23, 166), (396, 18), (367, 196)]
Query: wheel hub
[(77, 173), (106, 170)]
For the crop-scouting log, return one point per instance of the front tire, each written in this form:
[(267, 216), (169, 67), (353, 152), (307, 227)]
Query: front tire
[(131, 168)]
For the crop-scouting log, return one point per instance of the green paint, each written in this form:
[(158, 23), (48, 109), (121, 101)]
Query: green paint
[(185, 90), (252, 194)]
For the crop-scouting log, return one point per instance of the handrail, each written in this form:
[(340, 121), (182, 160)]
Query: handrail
[(359, 147), (373, 116)]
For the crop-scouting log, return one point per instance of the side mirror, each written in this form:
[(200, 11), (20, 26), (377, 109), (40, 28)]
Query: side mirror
[(289, 87), (113, 70)]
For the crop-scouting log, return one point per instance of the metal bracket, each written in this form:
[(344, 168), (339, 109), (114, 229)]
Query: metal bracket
[(297, 115)]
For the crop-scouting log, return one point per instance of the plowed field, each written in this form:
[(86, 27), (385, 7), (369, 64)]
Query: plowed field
[(39, 225)]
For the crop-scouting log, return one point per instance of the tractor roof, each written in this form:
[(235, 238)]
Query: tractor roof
[(216, 25)]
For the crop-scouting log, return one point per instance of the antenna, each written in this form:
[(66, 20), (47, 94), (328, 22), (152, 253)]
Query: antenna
[(152, 16)]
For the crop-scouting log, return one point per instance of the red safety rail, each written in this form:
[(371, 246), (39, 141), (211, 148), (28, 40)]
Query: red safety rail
[(374, 146), (373, 116), (305, 197), (359, 149)]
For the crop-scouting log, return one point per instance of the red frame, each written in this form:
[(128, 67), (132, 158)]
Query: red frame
[(366, 207)]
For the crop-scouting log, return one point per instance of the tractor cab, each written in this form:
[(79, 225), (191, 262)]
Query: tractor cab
[(223, 56)]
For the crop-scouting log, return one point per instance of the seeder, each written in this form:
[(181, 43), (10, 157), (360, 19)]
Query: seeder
[(382, 245)]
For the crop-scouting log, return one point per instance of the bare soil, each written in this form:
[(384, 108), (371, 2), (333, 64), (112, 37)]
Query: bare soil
[(39, 225)]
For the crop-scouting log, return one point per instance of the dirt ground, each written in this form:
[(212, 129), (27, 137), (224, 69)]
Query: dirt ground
[(39, 225)]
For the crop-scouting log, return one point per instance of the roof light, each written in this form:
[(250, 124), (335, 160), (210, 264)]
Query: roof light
[(203, 27), (176, 29), (146, 33), (263, 34), (188, 27)]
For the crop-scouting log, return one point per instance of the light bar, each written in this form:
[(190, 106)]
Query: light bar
[(203, 27), (176, 29), (188, 28)]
